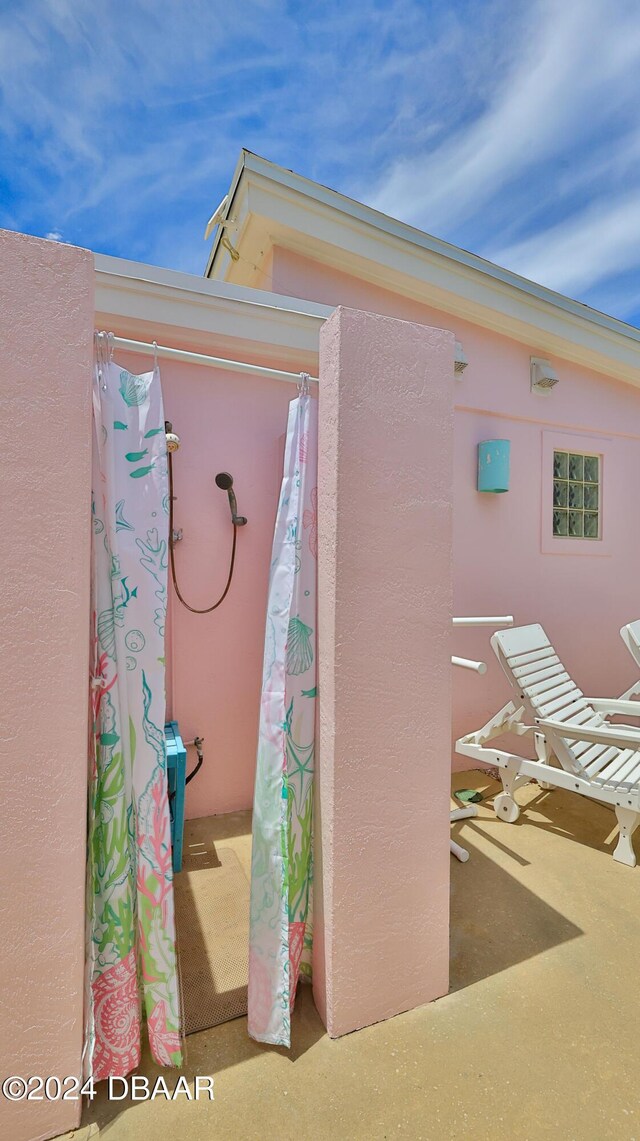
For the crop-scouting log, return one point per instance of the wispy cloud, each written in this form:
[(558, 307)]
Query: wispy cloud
[(113, 116), (509, 127), (578, 253), (124, 125), (543, 175)]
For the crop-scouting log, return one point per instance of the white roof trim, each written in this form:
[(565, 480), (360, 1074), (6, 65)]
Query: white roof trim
[(131, 298), (291, 210), (154, 277)]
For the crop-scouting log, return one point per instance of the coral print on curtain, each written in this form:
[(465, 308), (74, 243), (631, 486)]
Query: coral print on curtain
[(130, 921), (281, 872)]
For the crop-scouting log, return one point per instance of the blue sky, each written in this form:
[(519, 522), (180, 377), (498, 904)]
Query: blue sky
[(509, 127)]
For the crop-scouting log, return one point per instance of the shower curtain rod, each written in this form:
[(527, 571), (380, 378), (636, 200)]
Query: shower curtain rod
[(202, 358)]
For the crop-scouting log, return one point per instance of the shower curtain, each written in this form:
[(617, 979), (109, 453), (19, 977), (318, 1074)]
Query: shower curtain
[(281, 872), (130, 921)]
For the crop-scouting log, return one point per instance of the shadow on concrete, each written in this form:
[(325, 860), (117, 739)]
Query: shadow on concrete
[(577, 818), (496, 920)]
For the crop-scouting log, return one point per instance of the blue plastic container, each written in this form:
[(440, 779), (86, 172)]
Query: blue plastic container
[(176, 781), (493, 465)]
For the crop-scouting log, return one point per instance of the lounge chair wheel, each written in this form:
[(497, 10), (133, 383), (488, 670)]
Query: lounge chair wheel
[(506, 808)]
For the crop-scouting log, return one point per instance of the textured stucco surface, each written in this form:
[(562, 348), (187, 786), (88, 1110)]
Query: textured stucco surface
[(46, 322), (385, 535)]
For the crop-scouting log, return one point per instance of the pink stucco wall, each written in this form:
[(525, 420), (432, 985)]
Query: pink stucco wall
[(46, 323), (236, 424), (381, 911), (502, 562)]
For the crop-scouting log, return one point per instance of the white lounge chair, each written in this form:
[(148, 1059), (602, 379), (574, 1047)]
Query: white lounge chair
[(577, 748), (630, 635)]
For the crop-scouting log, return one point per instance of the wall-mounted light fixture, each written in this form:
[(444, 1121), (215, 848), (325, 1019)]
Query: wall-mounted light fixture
[(543, 376), (460, 360), (493, 465)]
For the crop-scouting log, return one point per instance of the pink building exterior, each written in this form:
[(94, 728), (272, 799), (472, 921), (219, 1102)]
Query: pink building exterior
[(506, 560), (309, 242), (399, 435)]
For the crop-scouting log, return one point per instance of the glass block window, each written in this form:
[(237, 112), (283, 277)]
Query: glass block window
[(576, 495)]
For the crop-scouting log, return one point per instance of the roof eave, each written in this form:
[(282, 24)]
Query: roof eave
[(384, 232)]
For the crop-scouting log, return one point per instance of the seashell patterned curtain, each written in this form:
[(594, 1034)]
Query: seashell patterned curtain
[(131, 955), (282, 873)]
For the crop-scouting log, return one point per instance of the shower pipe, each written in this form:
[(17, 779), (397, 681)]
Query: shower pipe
[(468, 663), (215, 605), (215, 362), (504, 620)]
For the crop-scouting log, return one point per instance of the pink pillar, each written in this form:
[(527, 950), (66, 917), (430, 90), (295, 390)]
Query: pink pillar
[(46, 321), (385, 534)]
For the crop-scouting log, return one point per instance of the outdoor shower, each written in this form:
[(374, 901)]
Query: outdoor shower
[(225, 482), (178, 780)]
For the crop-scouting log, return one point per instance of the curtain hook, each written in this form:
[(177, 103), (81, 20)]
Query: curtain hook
[(100, 358), (155, 355), (303, 384)]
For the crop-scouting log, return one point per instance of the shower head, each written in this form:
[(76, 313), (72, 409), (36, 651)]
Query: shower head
[(225, 482), (173, 440)]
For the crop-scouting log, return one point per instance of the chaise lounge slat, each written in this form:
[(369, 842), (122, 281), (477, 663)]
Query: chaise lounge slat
[(527, 676), (565, 707), (595, 758), (582, 748), (537, 655), (624, 769), (549, 690)]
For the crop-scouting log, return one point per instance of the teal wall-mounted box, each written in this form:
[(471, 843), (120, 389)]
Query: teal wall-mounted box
[(493, 465)]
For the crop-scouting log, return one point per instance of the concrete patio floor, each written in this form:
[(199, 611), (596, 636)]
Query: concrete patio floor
[(536, 1039)]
